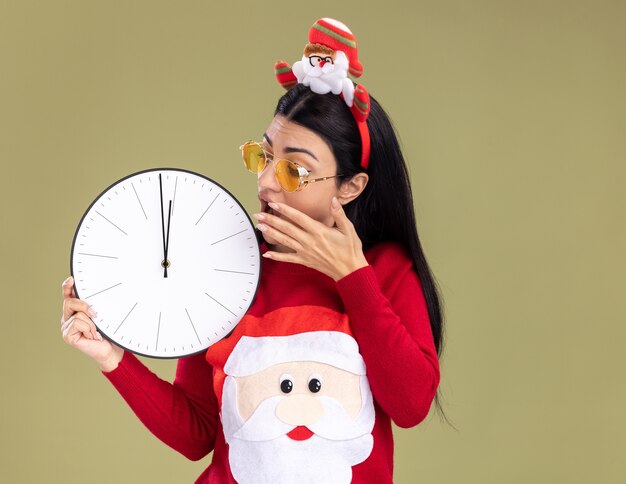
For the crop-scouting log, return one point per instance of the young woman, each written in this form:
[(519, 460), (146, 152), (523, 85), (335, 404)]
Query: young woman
[(346, 329)]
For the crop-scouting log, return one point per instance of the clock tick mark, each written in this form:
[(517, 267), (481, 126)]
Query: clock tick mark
[(235, 272), (126, 317), (140, 204), (192, 325), (174, 201), (208, 208), (99, 292), (98, 255), (156, 346), (221, 304), (221, 240), (111, 223)]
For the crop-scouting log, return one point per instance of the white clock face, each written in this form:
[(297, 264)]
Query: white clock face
[(148, 306)]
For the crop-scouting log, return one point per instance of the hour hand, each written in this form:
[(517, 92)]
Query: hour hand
[(167, 240)]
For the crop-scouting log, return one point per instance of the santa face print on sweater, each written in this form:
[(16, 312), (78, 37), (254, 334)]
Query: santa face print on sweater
[(298, 407)]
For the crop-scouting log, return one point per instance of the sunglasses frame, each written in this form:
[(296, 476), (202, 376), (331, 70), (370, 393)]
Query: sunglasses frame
[(303, 173)]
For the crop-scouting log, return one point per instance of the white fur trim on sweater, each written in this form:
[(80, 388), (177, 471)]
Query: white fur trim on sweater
[(254, 354)]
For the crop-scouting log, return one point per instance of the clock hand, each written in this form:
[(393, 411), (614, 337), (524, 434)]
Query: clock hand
[(163, 226), (167, 242)]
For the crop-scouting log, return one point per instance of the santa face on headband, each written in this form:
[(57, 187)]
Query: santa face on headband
[(325, 70), (296, 421)]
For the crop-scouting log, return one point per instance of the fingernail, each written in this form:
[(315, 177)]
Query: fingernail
[(259, 216), (275, 206), (261, 227), (267, 254), (335, 203), (67, 280), (92, 311), (99, 335)]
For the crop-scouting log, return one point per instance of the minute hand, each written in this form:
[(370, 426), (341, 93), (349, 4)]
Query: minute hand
[(163, 227)]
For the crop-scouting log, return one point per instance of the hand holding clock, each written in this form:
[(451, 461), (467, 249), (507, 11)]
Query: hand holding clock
[(80, 331)]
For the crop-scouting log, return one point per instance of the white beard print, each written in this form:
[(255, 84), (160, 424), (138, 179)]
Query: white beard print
[(260, 451), (333, 77)]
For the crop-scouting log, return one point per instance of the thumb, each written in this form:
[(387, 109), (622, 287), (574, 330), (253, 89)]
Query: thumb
[(341, 219)]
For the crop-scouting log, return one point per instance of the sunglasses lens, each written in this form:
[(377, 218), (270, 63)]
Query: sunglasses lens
[(287, 175), (253, 157)]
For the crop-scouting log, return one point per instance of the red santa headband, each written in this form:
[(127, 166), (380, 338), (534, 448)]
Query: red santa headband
[(329, 57)]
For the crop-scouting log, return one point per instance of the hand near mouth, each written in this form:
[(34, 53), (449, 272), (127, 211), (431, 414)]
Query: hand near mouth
[(335, 251)]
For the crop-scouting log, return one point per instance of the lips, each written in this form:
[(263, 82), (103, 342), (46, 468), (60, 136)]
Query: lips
[(266, 208), (301, 432)]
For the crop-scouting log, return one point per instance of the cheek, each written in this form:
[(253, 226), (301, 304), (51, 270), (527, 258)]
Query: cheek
[(315, 205)]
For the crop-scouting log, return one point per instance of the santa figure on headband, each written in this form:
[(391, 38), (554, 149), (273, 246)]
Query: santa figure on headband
[(328, 58)]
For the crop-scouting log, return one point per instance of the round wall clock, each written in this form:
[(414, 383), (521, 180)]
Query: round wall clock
[(169, 260)]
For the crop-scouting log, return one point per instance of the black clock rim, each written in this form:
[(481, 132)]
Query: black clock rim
[(256, 289)]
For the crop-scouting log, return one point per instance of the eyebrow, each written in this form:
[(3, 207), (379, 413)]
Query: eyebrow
[(291, 149)]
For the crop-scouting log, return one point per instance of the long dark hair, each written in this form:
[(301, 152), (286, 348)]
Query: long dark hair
[(384, 210)]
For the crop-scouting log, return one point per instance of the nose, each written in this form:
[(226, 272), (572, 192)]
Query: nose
[(299, 410), (266, 180), (322, 63)]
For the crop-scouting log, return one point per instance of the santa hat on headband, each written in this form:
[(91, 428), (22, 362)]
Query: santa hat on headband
[(336, 35)]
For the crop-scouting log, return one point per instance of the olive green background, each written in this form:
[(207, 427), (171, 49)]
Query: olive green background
[(512, 118)]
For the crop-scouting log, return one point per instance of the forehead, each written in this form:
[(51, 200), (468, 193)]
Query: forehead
[(286, 134)]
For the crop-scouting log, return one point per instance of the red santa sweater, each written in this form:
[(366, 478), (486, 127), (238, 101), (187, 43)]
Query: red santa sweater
[(387, 315)]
